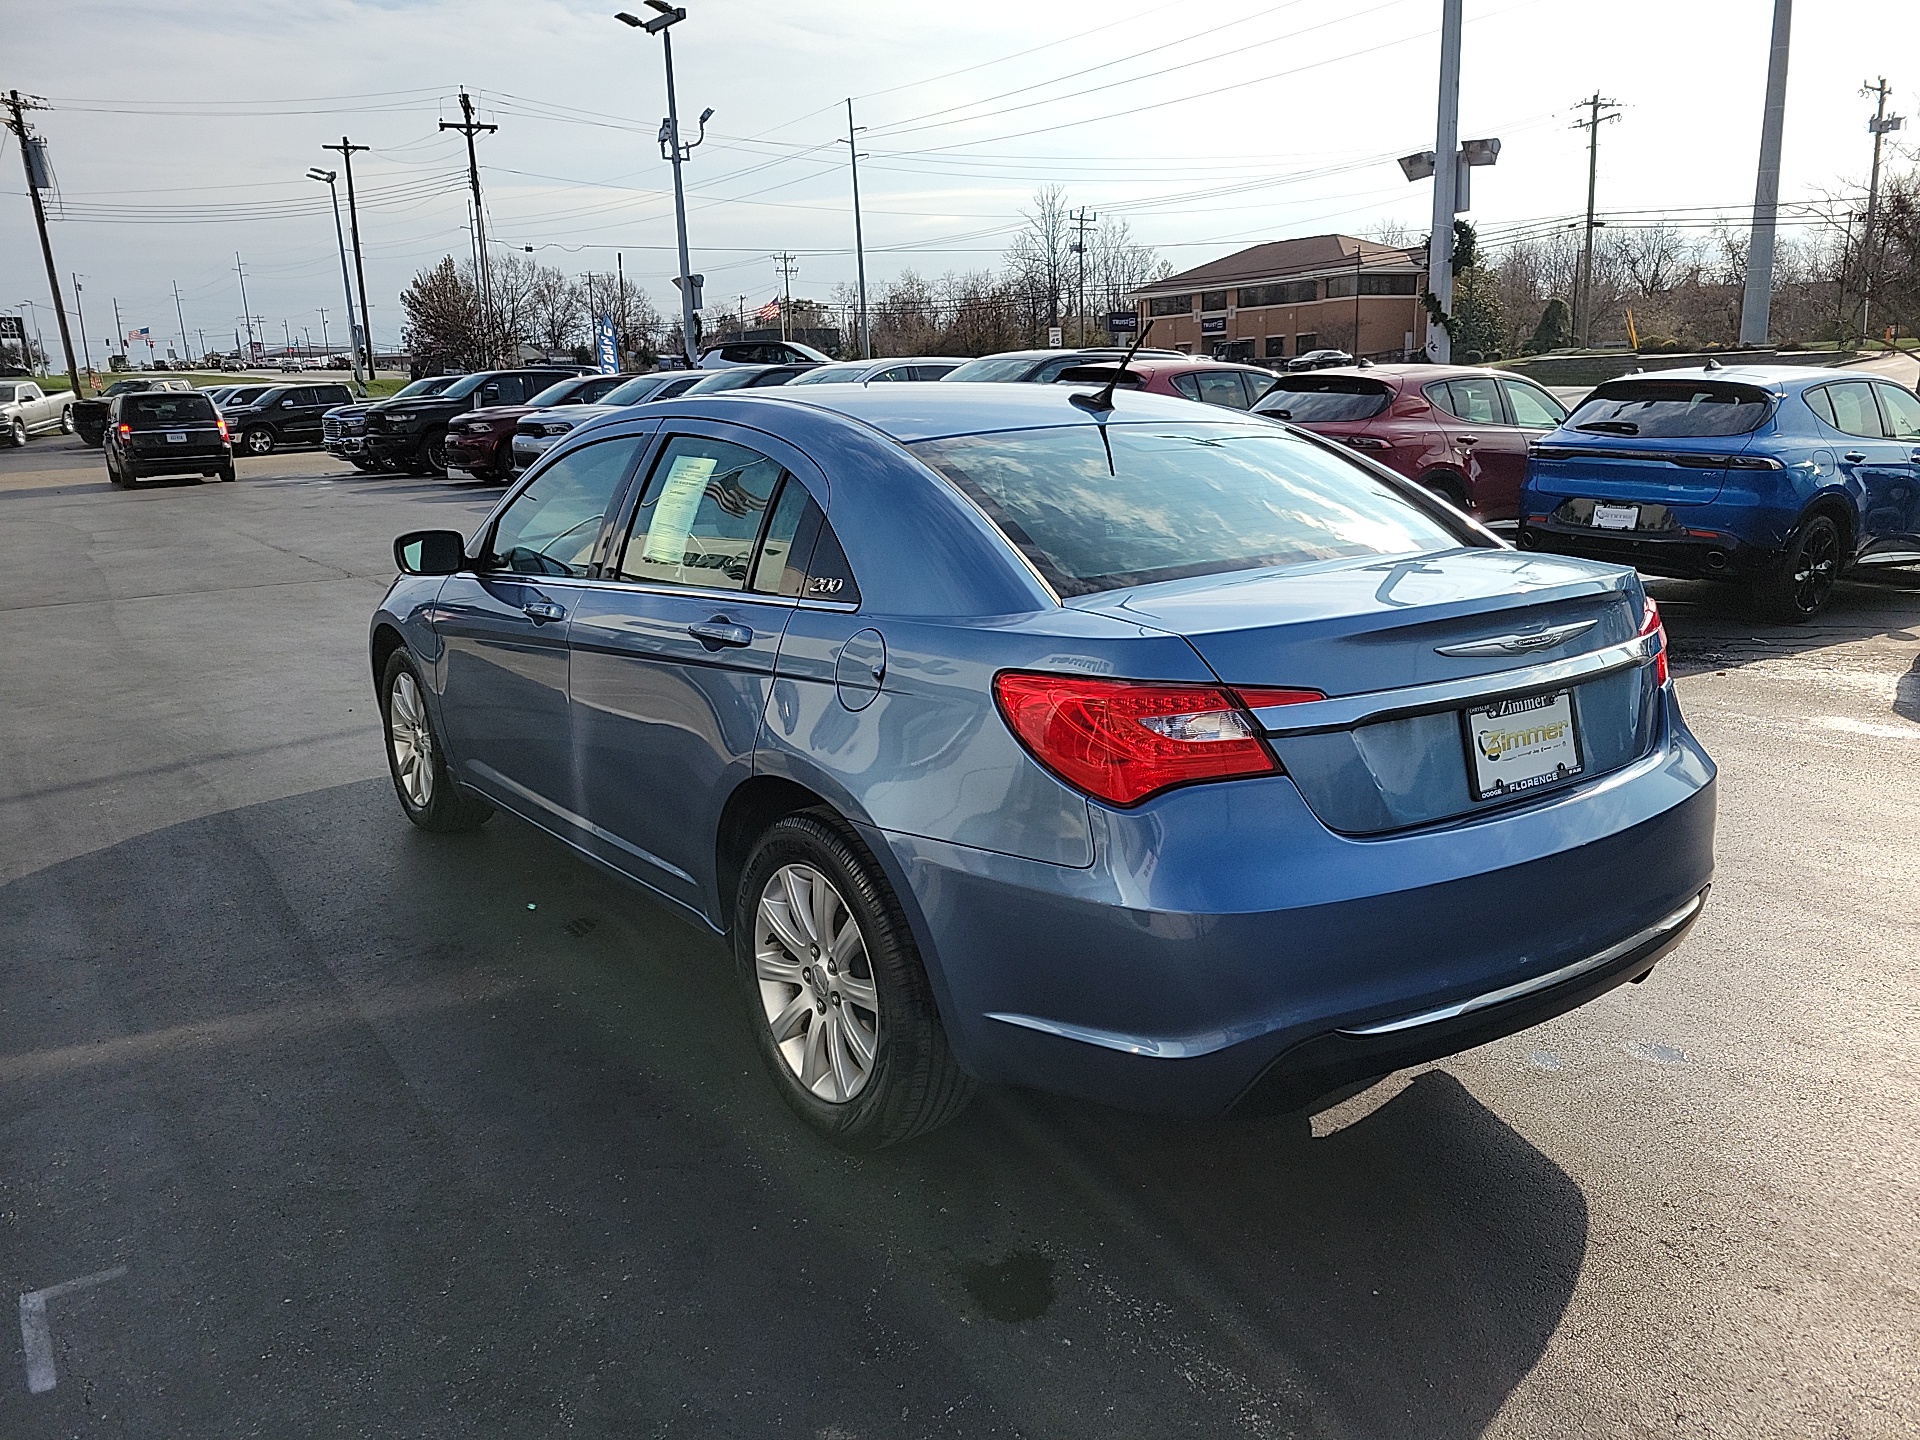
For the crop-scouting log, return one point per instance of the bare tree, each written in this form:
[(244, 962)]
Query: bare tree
[(444, 324), (1038, 259)]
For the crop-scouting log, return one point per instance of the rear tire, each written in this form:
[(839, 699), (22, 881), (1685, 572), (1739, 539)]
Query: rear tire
[(859, 1052), (114, 477), (227, 474), (1802, 584), (417, 760), (260, 440), (1448, 488)]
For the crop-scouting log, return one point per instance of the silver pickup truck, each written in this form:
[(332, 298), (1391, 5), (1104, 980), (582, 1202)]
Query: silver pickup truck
[(26, 410)]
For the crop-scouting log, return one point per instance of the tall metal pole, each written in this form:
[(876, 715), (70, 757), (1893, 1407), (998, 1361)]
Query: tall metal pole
[(1879, 125), (246, 310), (119, 329), (1446, 175), (687, 343), (181, 316), (1583, 291), (347, 149), (86, 350), (19, 128), (786, 261), (346, 284), (859, 244), (1756, 305)]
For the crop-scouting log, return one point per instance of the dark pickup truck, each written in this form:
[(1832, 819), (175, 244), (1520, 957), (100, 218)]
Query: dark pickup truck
[(90, 416), (410, 433)]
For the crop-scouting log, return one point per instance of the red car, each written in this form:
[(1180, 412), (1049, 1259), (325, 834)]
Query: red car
[(1212, 382), (480, 442), (1461, 432)]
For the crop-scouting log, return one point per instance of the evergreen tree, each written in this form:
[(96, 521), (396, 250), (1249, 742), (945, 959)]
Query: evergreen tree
[(1555, 330)]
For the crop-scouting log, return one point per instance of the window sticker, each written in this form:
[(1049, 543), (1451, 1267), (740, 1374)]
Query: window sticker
[(673, 514)]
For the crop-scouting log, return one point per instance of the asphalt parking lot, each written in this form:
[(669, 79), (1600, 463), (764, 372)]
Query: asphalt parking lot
[(355, 1130)]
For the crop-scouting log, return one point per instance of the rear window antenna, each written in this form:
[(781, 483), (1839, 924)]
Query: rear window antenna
[(1102, 403)]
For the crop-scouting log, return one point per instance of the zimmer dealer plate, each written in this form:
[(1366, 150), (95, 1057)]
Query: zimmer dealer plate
[(1516, 745)]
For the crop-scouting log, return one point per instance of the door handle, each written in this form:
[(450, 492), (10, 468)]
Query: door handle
[(720, 632), (1467, 439), (1854, 456), (541, 611), (1915, 455)]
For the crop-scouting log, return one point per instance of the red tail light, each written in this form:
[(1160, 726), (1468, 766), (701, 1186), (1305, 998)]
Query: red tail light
[(223, 429), (1123, 740), (1650, 624), (125, 429)]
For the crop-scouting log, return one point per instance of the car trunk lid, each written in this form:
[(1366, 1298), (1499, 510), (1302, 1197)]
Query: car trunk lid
[(1403, 648)]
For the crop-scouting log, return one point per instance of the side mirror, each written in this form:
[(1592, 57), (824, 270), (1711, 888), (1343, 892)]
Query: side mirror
[(431, 552)]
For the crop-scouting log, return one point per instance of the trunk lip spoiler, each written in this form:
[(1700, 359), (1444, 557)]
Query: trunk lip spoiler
[(1345, 712)]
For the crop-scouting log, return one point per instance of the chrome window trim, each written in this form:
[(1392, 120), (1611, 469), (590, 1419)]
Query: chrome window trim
[(1312, 717), (608, 582)]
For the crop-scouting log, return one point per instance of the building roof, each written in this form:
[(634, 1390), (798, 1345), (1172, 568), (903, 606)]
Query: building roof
[(1283, 259)]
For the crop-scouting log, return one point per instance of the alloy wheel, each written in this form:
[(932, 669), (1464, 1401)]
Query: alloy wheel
[(412, 740), (19, 436), (1815, 566), (435, 453), (259, 442), (816, 983)]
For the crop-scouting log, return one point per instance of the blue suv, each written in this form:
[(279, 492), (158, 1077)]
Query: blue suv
[(1781, 478)]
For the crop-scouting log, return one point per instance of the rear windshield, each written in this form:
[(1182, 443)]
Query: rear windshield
[(1009, 368), (735, 379), (165, 407), (1671, 409), (1310, 398), (1178, 500), (433, 385)]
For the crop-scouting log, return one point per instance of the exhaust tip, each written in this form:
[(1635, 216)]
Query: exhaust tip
[(1716, 559)]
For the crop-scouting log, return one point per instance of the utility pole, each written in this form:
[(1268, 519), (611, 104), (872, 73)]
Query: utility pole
[(246, 310), (1446, 143), (859, 245), (347, 149), (327, 178), (1081, 220), (620, 333), (1583, 296), (119, 329), (1756, 304), (326, 344), (1880, 126), (31, 151), (788, 265), (86, 350), (469, 127), (180, 315)]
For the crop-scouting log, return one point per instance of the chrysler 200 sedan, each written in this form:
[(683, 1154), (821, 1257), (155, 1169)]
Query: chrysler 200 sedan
[(1020, 734)]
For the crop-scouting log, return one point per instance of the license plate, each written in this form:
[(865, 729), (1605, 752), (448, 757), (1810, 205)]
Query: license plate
[(1616, 517), (1519, 745), (176, 437)]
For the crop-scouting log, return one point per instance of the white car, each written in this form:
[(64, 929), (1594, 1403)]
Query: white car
[(761, 352)]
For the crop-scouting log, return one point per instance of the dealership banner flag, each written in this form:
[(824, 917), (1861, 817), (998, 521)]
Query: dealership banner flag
[(609, 347)]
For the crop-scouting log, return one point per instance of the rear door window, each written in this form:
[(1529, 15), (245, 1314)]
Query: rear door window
[(1901, 412), (1475, 400), (800, 555), (1848, 407), (1532, 407), (701, 515), (1222, 387), (1188, 385), (1160, 502), (1672, 409)]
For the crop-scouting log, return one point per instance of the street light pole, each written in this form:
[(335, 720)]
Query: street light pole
[(666, 17), (327, 178), (86, 350), (1756, 301)]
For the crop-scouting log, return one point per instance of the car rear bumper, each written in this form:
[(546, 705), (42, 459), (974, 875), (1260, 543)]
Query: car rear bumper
[(204, 462), (1685, 555), (1225, 946)]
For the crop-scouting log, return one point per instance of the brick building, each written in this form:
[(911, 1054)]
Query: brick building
[(1286, 297)]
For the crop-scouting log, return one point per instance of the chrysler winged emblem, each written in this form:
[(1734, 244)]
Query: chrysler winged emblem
[(1519, 644)]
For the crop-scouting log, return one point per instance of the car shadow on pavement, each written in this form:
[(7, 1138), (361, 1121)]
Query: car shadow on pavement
[(424, 1126)]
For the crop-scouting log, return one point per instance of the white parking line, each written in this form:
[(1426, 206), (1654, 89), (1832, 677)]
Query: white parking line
[(36, 1337)]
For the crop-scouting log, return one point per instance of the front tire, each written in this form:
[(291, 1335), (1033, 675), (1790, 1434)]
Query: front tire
[(839, 1001), (417, 760), (66, 421), (1800, 587), (432, 458), (17, 435), (260, 440)]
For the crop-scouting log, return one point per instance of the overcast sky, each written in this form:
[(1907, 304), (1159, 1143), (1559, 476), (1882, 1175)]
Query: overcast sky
[(180, 132)]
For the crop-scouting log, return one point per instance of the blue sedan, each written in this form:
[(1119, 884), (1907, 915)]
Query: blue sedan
[(1027, 735), (1781, 478)]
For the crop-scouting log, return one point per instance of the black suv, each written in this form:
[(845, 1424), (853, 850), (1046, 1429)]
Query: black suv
[(411, 434), (284, 415), (165, 432)]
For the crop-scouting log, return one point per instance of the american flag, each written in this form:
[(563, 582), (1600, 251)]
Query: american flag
[(769, 311)]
